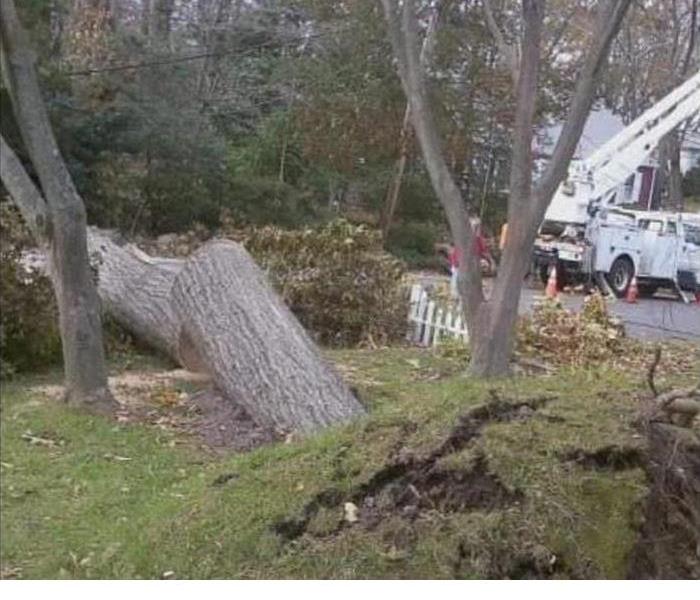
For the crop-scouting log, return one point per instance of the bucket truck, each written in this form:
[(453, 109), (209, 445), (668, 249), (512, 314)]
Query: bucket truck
[(591, 231)]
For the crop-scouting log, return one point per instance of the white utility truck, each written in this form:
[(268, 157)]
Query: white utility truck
[(592, 232)]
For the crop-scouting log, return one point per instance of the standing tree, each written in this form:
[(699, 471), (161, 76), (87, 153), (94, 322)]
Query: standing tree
[(492, 321), (58, 218)]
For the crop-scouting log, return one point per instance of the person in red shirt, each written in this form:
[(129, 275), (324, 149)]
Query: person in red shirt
[(482, 251)]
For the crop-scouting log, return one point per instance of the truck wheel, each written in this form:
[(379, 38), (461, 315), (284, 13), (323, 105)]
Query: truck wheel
[(620, 275)]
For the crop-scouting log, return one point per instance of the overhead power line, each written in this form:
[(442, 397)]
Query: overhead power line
[(202, 55)]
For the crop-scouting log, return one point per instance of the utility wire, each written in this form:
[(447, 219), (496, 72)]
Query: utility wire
[(181, 59)]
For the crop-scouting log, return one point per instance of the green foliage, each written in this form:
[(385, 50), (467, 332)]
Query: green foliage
[(414, 242), (691, 183), (335, 278), (29, 335)]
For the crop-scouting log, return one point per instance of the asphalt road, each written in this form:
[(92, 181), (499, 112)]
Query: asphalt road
[(657, 318)]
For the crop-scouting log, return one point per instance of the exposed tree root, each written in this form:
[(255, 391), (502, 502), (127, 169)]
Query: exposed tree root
[(614, 458), (669, 542), (409, 486)]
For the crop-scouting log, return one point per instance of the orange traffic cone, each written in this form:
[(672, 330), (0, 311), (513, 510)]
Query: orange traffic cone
[(552, 291), (632, 291)]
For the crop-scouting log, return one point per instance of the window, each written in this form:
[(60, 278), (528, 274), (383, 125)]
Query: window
[(671, 228), (692, 234), (649, 225)]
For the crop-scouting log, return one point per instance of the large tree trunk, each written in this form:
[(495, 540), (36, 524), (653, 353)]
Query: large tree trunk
[(252, 345), (216, 313), (79, 316), (135, 290)]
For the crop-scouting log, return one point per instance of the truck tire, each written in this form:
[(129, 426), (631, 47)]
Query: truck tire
[(620, 275)]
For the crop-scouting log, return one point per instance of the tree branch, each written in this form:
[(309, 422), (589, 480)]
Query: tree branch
[(526, 106), (403, 35), (509, 53), (608, 23), (692, 36), (25, 195), (651, 372)]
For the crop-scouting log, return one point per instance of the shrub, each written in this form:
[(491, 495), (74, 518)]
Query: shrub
[(29, 335), (563, 337), (414, 242), (335, 278)]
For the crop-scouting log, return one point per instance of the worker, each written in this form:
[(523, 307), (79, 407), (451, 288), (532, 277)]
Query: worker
[(482, 252)]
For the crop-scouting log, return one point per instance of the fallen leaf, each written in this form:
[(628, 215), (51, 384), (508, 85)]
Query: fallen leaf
[(35, 440), (116, 457), (351, 512)]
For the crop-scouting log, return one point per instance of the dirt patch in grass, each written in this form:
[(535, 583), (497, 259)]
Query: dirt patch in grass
[(223, 425), (614, 458), (668, 544), (183, 402), (411, 486)]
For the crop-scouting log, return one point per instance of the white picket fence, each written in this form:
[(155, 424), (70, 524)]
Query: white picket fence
[(428, 322)]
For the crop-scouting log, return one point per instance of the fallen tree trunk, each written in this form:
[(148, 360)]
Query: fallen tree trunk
[(134, 289), (216, 313), (253, 346)]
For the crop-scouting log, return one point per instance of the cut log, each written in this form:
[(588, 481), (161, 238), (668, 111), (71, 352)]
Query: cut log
[(252, 345), (217, 314)]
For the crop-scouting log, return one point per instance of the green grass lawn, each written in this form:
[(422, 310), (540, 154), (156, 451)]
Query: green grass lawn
[(88, 497)]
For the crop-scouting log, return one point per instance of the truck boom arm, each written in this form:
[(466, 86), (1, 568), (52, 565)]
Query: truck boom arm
[(617, 159)]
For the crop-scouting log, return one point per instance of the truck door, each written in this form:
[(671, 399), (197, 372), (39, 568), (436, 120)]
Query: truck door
[(660, 245), (689, 255)]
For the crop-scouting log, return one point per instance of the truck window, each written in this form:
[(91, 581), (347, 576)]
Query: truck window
[(649, 225), (671, 228), (692, 234)]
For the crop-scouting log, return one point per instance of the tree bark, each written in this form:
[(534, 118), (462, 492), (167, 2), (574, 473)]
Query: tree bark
[(135, 289), (160, 16), (252, 345), (495, 329), (392, 198), (79, 316)]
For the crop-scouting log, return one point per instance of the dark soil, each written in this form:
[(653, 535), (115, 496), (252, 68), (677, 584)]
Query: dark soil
[(223, 425), (614, 458), (669, 540), (409, 486)]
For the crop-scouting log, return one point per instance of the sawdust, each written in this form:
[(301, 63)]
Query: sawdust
[(180, 401)]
